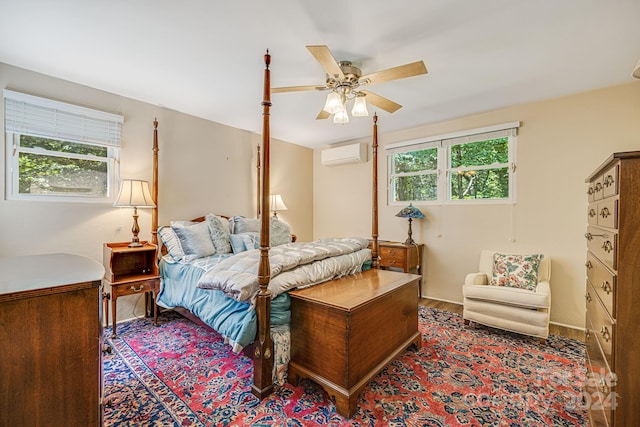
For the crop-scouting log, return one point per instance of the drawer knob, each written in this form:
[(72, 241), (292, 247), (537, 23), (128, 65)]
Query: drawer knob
[(607, 246), (590, 191), (604, 212), (604, 331), (592, 213), (606, 286), (588, 236), (587, 334), (137, 288), (589, 265), (588, 297), (608, 181), (598, 186)]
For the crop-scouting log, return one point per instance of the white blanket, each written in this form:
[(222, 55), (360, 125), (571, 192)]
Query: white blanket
[(292, 265)]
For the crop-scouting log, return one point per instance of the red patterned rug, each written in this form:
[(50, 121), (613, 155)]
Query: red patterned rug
[(181, 374)]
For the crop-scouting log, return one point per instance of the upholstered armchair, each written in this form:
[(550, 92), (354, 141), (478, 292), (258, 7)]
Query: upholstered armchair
[(509, 293)]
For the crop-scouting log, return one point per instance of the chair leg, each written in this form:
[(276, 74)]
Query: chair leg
[(542, 341)]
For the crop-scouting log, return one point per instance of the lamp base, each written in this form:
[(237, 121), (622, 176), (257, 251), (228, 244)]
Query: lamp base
[(409, 242), (135, 245)]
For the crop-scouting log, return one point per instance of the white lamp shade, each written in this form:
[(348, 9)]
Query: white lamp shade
[(277, 204), (134, 193), (333, 103), (359, 107), (341, 117)]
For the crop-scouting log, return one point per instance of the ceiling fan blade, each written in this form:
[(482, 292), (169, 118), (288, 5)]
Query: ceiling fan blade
[(296, 88), (395, 73), (325, 58), (381, 102), (322, 115)]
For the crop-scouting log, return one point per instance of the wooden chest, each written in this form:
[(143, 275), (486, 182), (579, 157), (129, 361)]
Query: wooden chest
[(345, 331)]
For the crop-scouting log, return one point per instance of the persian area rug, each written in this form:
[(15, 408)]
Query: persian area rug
[(181, 374)]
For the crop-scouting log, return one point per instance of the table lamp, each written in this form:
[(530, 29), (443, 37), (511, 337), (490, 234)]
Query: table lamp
[(277, 204), (134, 193), (410, 212)]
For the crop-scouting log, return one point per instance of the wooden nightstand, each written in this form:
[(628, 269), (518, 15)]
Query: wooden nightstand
[(395, 255), (130, 271)]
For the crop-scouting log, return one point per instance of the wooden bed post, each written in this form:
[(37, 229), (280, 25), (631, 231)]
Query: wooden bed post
[(263, 348), (258, 179), (154, 185), (374, 210)]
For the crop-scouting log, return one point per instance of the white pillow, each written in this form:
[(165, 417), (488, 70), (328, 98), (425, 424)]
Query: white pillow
[(171, 242), (219, 228), (195, 239)]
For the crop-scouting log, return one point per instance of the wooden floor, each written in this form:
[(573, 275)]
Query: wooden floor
[(457, 308)]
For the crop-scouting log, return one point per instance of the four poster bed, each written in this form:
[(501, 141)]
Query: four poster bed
[(335, 317)]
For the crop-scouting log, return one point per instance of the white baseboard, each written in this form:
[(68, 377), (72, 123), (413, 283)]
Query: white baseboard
[(564, 325), (443, 300)]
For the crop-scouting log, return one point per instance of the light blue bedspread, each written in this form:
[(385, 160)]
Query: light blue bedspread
[(235, 320)]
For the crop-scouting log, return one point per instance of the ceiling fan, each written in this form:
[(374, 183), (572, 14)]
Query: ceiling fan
[(344, 80)]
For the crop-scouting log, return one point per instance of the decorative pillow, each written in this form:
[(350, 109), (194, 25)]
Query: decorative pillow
[(195, 239), (244, 241), (219, 228), (280, 230), (516, 271), (171, 242), (240, 224)]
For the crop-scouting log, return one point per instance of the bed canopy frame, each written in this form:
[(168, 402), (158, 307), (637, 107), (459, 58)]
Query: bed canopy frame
[(262, 348)]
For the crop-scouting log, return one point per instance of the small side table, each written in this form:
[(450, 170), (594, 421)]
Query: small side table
[(130, 271), (395, 255)]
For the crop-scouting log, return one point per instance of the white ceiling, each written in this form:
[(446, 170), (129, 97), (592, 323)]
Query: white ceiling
[(205, 57)]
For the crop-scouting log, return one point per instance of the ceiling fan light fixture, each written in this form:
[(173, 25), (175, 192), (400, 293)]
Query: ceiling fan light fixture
[(333, 103), (359, 107), (341, 117)]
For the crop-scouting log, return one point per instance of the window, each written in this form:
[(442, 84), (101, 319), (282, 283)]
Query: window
[(476, 166), (58, 151)]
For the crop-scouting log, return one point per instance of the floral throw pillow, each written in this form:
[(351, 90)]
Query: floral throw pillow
[(516, 271)]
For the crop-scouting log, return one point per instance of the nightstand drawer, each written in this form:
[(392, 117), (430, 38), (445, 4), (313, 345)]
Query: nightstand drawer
[(135, 287), (392, 257)]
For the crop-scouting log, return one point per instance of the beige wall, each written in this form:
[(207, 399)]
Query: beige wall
[(560, 142), (203, 167)]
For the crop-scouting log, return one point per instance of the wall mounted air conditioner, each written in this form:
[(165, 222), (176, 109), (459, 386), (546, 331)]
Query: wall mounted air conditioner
[(354, 153)]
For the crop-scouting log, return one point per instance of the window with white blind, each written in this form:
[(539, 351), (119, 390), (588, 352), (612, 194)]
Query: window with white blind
[(59, 151), (474, 166)]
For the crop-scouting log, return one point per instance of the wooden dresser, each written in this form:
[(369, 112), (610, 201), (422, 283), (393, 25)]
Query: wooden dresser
[(50, 341), (612, 294), (345, 331)]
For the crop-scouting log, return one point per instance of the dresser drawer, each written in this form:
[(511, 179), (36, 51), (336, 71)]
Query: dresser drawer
[(135, 287), (592, 214), (610, 182), (603, 327), (597, 188), (603, 282), (392, 257), (607, 213), (602, 244), (599, 386)]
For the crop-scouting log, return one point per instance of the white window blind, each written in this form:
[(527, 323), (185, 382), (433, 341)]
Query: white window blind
[(41, 117)]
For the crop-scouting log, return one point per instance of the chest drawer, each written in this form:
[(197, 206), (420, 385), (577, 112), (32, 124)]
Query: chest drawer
[(603, 282), (607, 213), (610, 182), (592, 214), (392, 257), (136, 287), (602, 244), (599, 386), (603, 327)]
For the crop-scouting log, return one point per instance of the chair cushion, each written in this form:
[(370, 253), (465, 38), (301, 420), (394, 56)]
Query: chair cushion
[(516, 271), (539, 298)]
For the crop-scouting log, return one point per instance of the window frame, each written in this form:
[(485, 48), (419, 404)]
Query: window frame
[(48, 119), (444, 173)]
